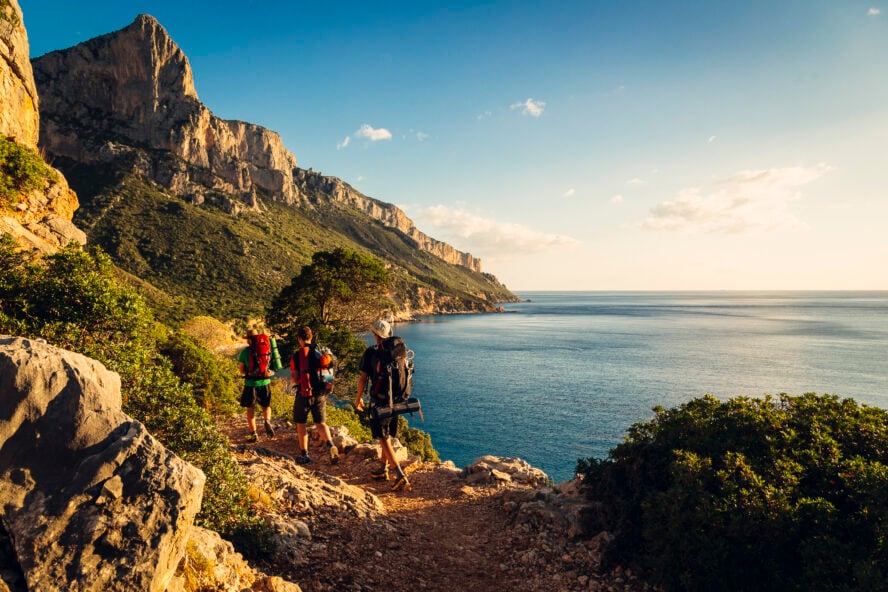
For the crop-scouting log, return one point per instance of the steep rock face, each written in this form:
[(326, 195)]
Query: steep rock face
[(127, 99), (88, 499), (39, 219), (392, 216), (135, 87), (19, 116)]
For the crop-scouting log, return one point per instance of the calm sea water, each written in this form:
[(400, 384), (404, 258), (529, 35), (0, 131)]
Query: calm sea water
[(564, 374)]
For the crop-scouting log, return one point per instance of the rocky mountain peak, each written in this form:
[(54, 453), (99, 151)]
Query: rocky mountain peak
[(126, 100)]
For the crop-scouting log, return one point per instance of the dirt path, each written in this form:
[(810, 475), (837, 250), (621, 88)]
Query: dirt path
[(441, 535)]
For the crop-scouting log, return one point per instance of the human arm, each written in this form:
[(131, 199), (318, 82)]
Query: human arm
[(359, 398)]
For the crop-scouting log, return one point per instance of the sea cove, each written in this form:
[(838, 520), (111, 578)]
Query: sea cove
[(568, 372)]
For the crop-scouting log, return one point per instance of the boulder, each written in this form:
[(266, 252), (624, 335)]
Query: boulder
[(89, 500), (497, 470)]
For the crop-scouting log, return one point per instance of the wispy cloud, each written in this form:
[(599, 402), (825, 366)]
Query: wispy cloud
[(484, 115), (344, 143), (373, 134), (484, 237), (422, 136), (635, 181), (874, 11), (570, 192), (530, 107), (712, 139), (745, 202), (617, 199)]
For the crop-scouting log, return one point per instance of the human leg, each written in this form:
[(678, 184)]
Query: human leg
[(300, 416), (248, 401)]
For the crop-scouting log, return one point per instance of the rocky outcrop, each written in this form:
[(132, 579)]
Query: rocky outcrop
[(19, 117), (338, 191), (38, 219), (88, 499), (132, 92), (127, 99)]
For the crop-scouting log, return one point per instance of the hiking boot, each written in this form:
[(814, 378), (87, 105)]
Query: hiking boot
[(269, 430), (304, 459), (334, 455), (254, 437), (381, 474), (401, 483)]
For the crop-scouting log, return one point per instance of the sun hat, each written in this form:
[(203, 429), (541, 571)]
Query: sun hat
[(381, 328)]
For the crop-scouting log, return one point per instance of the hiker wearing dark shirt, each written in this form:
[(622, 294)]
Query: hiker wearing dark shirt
[(386, 429), (257, 363), (308, 398)]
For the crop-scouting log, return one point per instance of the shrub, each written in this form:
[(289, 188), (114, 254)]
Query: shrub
[(72, 300), (214, 379), (21, 169), (417, 441), (786, 493)]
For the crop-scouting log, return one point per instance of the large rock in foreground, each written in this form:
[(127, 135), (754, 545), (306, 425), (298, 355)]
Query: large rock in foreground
[(88, 499)]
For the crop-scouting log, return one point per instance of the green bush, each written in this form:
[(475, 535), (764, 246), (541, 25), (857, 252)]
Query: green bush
[(417, 441), (21, 169), (72, 300), (786, 493), (214, 379)]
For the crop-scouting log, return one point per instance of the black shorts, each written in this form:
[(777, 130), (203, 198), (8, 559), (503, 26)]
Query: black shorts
[(317, 404), (256, 394), (383, 428)]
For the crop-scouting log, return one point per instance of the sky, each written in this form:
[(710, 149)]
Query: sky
[(571, 145)]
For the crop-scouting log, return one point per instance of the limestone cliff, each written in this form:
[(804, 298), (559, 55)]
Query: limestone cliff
[(392, 216), (129, 97), (18, 97), (38, 218)]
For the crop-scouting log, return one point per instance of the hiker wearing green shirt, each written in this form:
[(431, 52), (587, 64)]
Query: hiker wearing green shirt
[(257, 363)]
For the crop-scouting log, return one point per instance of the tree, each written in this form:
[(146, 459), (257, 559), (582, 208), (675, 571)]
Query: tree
[(339, 289)]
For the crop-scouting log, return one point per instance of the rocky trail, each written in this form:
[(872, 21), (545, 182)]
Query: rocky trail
[(446, 533)]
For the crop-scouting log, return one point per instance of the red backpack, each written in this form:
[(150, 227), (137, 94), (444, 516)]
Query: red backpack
[(260, 356)]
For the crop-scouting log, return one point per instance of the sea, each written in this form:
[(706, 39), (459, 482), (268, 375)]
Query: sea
[(561, 375)]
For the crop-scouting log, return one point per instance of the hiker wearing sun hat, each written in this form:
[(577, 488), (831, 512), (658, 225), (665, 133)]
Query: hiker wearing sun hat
[(384, 430)]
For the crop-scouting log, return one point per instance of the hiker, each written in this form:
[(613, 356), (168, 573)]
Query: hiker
[(310, 396), (386, 429), (257, 363)]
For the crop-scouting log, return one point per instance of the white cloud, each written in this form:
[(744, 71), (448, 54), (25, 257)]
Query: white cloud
[(874, 11), (570, 192), (485, 115), (530, 107), (711, 139), (373, 134), (344, 143), (745, 202), (635, 181), (421, 136), (617, 199), (484, 237)]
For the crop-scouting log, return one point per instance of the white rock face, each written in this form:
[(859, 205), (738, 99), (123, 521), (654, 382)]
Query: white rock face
[(88, 498)]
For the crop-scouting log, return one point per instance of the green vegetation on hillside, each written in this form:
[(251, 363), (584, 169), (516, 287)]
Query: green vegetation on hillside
[(773, 494), (21, 170), (208, 261)]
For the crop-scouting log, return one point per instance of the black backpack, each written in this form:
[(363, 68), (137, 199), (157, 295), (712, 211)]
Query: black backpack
[(392, 372)]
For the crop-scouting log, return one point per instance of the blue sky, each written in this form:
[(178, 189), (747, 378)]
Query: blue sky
[(587, 145)]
